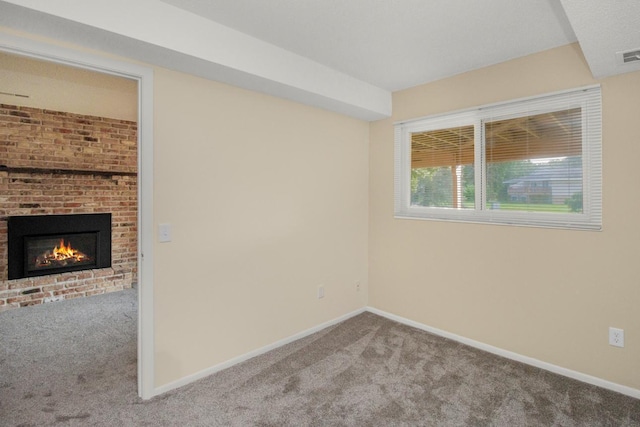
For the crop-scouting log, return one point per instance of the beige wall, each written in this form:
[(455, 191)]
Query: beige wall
[(268, 199), (546, 294), (62, 88)]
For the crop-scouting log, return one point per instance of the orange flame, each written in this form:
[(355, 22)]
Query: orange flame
[(61, 255), (65, 252)]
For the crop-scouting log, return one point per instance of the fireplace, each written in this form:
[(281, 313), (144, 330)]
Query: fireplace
[(50, 244)]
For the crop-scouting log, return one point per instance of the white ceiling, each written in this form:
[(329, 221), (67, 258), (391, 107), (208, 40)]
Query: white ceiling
[(396, 44), (604, 28), (342, 55)]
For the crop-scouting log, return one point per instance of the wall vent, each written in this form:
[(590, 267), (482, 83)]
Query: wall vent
[(631, 56)]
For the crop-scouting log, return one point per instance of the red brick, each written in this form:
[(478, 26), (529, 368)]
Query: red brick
[(32, 302), (49, 288), (21, 298), (21, 284), (59, 140)]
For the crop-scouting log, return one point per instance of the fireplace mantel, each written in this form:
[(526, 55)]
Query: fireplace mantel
[(5, 168)]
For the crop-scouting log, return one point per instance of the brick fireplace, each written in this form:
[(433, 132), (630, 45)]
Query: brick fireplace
[(60, 163)]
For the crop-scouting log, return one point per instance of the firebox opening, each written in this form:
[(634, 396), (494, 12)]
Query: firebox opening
[(65, 251), (51, 244)]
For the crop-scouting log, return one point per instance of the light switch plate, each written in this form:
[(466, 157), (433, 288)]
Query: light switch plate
[(164, 233)]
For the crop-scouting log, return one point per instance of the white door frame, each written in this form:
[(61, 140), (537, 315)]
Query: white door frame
[(144, 77)]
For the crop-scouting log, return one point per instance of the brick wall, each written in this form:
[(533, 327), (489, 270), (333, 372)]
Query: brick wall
[(54, 162)]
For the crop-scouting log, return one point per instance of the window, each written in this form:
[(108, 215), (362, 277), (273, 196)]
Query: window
[(535, 162)]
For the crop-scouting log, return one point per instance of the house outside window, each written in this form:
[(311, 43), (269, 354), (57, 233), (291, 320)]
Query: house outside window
[(534, 162)]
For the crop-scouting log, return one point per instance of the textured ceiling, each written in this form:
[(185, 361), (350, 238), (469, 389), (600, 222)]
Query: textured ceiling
[(604, 29), (346, 56), (396, 44)]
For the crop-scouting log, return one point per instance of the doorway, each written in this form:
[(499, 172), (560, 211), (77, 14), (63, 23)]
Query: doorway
[(143, 76)]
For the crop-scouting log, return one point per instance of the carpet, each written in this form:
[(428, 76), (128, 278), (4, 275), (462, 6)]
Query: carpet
[(73, 363)]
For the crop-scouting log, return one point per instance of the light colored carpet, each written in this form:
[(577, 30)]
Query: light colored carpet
[(74, 363)]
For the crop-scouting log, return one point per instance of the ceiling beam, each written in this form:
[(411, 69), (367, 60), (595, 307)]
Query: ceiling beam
[(158, 33)]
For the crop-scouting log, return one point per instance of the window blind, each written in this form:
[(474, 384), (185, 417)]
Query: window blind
[(442, 167), (534, 161)]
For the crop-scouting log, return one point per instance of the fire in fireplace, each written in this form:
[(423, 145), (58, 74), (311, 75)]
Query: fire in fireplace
[(50, 244), (61, 255)]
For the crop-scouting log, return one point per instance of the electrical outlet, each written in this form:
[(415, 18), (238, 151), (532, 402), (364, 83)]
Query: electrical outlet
[(320, 291), (357, 285), (616, 337)]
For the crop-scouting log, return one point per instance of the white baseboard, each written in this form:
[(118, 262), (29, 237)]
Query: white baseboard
[(229, 363), (629, 391)]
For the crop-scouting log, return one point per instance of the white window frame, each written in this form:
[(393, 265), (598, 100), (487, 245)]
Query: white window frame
[(589, 99)]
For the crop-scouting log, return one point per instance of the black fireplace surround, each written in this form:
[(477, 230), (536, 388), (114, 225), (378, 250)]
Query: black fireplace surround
[(50, 244)]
